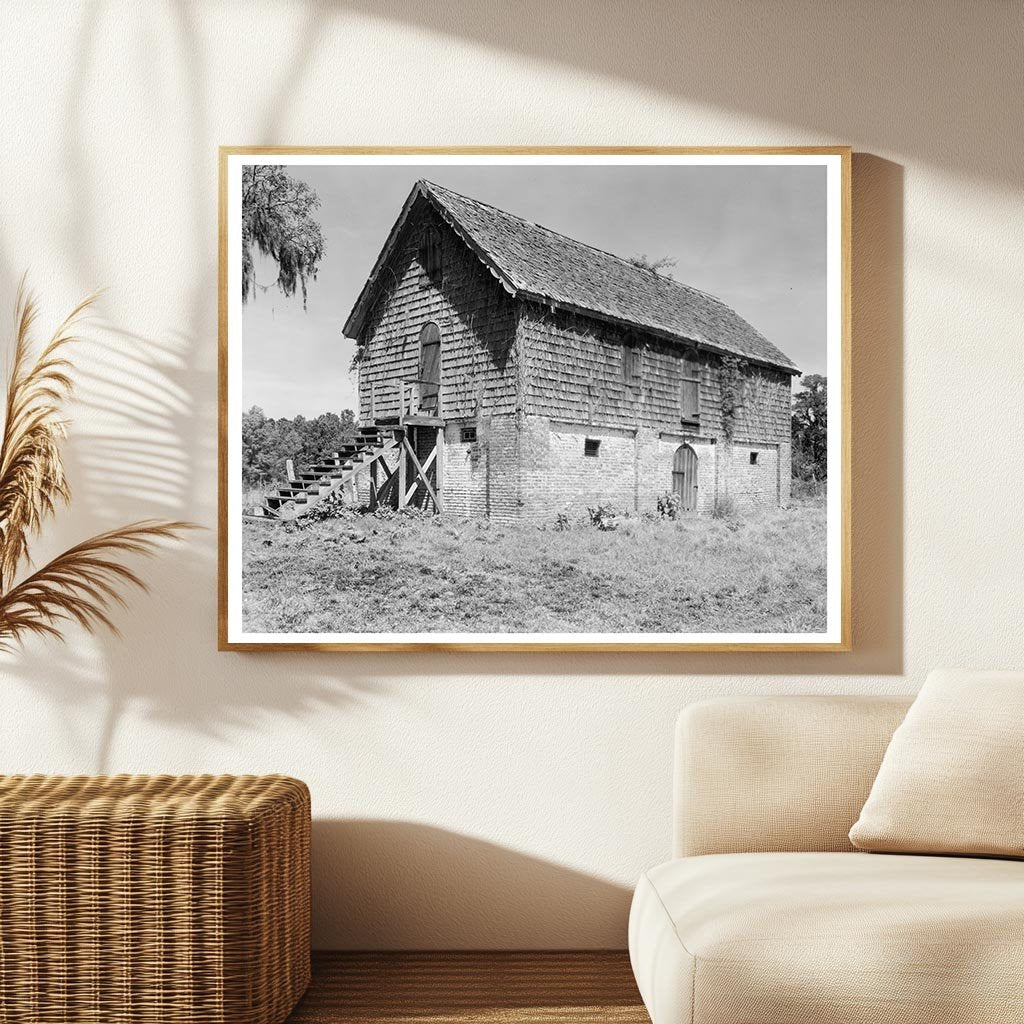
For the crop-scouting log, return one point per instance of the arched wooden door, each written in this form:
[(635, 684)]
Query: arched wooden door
[(430, 369), (684, 476)]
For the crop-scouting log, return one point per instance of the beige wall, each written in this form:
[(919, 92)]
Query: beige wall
[(498, 800)]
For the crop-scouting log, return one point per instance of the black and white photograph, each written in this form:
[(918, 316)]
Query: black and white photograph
[(534, 399)]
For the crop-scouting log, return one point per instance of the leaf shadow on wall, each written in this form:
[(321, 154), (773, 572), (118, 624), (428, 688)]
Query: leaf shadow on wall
[(405, 885), (142, 462), (790, 65), (147, 448)]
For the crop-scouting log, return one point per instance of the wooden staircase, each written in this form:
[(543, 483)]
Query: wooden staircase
[(335, 473)]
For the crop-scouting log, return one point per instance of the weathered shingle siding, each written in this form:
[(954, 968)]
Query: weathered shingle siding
[(764, 413), (574, 373), (475, 315)]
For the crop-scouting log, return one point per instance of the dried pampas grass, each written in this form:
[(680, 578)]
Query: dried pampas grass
[(86, 581)]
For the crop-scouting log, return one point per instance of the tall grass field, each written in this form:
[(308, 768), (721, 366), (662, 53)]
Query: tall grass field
[(418, 573)]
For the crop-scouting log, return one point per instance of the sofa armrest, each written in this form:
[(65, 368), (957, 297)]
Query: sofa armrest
[(763, 774)]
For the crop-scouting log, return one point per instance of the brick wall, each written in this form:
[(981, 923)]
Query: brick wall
[(532, 469), (558, 475), (482, 477), (465, 475), (630, 471), (751, 486), (785, 472), (633, 469)]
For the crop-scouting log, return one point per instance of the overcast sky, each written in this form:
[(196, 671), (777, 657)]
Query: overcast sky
[(753, 236)]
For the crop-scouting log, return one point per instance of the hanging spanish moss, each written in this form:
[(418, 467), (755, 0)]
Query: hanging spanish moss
[(277, 220)]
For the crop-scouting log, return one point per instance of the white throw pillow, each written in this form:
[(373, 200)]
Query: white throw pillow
[(952, 779)]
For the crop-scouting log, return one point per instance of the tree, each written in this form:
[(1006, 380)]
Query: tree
[(277, 219), (259, 447), (810, 429), (267, 443), (662, 266)]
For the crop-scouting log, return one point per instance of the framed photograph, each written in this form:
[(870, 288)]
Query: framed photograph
[(555, 399)]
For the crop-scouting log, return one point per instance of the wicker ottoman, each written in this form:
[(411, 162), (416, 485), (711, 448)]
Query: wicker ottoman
[(171, 900)]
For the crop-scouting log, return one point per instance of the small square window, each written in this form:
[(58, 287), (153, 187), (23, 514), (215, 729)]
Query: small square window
[(591, 447), (753, 458), (467, 435)]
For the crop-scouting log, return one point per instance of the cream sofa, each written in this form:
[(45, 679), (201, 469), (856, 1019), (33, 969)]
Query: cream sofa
[(767, 914)]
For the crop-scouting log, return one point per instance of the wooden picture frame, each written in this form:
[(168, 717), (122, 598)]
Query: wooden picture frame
[(394, 455)]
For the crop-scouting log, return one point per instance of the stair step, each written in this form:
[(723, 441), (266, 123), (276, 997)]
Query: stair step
[(325, 476)]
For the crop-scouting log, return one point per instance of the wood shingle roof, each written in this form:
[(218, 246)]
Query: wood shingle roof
[(539, 264)]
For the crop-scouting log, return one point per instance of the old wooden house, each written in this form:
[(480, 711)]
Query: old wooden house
[(509, 371)]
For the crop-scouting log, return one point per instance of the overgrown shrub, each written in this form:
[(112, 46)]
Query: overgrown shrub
[(725, 508), (604, 517), (331, 506), (809, 490), (670, 505), (389, 512)]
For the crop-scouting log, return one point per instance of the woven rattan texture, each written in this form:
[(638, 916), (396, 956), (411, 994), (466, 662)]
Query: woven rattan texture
[(138, 899)]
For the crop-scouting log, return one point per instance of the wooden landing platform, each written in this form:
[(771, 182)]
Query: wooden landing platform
[(471, 988), (416, 420)]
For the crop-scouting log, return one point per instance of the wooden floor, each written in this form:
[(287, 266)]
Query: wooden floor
[(466, 988)]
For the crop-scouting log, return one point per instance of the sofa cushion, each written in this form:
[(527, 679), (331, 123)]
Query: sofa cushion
[(952, 778), (830, 938), (777, 773)]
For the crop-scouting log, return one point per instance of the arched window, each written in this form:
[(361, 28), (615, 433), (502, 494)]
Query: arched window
[(689, 388), (430, 252), (430, 369)]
